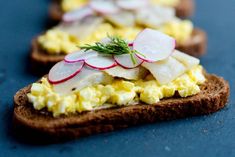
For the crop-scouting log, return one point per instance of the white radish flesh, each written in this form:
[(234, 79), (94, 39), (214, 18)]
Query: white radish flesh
[(153, 45), (132, 4), (81, 28), (87, 77), (122, 19), (155, 16), (101, 62), (126, 61), (63, 71), (78, 14), (80, 56), (104, 6)]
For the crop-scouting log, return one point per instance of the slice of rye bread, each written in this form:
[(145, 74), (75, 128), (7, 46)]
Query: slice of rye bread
[(183, 10), (213, 97), (41, 62)]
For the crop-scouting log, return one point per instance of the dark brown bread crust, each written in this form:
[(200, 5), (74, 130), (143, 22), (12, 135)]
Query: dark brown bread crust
[(213, 97), (55, 11), (197, 45), (41, 62), (183, 10)]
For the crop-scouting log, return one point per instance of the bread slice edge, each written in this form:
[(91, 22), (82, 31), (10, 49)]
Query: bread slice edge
[(213, 97)]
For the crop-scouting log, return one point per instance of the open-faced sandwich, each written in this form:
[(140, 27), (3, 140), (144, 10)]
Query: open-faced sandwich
[(115, 84), (93, 22), (183, 8)]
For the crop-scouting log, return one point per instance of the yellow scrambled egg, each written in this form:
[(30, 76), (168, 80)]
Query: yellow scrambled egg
[(119, 92), (171, 3), (56, 42), (68, 5), (101, 32), (180, 30)]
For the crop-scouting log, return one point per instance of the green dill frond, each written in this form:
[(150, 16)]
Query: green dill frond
[(116, 46)]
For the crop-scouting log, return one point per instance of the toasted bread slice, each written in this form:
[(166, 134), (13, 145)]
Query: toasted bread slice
[(55, 10), (196, 45), (41, 62), (213, 97), (183, 10)]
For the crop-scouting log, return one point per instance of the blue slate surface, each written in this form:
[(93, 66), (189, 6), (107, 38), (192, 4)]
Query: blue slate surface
[(208, 136)]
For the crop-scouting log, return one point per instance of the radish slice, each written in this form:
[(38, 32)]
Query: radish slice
[(130, 44), (155, 16), (121, 19), (104, 6), (126, 62), (79, 56), (101, 62), (78, 14), (132, 4), (87, 77), (154, 45), (63, 71)]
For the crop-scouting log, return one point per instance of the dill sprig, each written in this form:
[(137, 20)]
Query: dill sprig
[(116, 46)]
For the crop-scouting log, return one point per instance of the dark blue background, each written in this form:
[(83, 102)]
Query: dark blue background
[(209, 136)]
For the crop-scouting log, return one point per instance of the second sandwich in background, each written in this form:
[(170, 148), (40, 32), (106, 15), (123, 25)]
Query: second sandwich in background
[(94, 21), (184, 8)]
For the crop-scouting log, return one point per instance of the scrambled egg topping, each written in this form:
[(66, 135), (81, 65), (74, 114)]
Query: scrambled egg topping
[(180, 30), (101, 32), (69, 5), (56, 42), (119, 92), (171, 3)]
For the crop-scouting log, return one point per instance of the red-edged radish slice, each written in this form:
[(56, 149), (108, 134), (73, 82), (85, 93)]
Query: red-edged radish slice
[(80, 56), (104, 6), (101, 62), (126, 62), (85, 78), (132, 4), (130, 44), (78, 14), (153, 45), (63, 71)]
